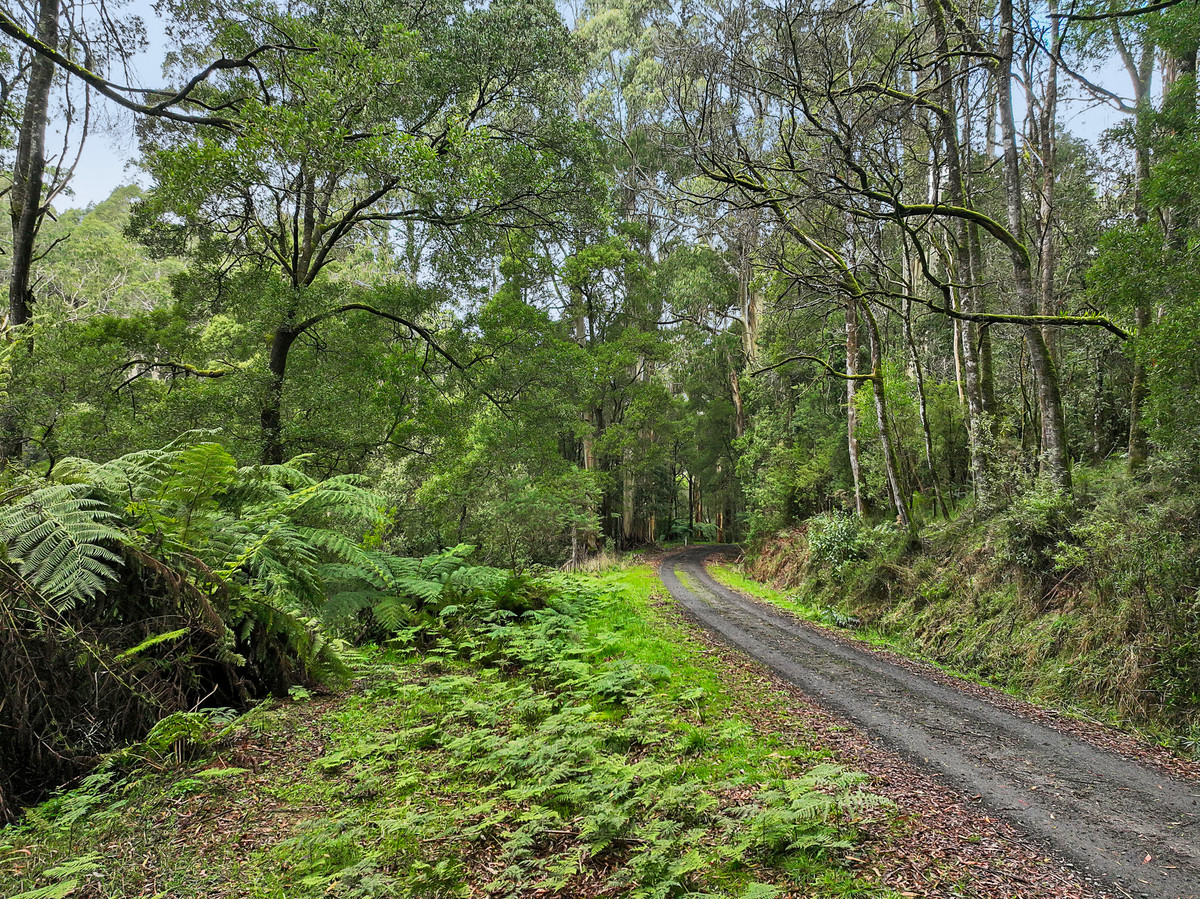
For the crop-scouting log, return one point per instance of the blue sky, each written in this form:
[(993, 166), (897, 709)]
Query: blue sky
[(106, 161)]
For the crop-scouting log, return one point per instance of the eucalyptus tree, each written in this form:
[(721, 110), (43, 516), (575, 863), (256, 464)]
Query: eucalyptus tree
[(754, 132), (451, 117), (621, 98), (37, 173), (866, 166), (1155, 48)]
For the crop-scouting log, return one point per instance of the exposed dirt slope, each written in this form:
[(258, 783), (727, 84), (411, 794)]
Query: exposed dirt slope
[(1132, 830)]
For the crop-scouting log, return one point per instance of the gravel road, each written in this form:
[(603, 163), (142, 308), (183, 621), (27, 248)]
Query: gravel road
[(1131, 830)]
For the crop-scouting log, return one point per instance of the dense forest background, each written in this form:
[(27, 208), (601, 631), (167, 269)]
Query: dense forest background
[(433, 274)]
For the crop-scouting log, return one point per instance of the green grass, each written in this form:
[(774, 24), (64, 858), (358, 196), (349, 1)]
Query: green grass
[(1012, 658), (591, 745), (733, 577)]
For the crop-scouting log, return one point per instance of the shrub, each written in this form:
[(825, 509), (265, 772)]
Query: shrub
[(1029, 532), (837, 540)]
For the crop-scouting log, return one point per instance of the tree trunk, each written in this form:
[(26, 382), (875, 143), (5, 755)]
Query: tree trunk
[(628, 495), (882, 422), (1055, 465), (919, 373), (981, 335), (968, 265), (1048, 122), (739, 407), (749, 300), (691, 508), (25, 203), (1138, 449), (271, 416), (852, 351), (30, 168)]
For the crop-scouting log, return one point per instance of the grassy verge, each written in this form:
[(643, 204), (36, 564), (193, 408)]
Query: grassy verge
[(733, 576), (982, 642), (586, 746)]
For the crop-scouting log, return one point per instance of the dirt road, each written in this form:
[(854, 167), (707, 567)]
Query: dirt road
[(1131, 830)]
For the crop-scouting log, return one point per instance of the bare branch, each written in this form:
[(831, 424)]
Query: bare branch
[(1118, 14), (106, 88)]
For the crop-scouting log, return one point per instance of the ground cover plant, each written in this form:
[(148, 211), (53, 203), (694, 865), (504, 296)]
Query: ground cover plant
[(1086, 602), (560, 738)]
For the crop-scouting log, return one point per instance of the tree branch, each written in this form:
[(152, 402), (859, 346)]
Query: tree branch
[(175, 369), (423, 332), (10, 27), (804, 357), (1118, 14)]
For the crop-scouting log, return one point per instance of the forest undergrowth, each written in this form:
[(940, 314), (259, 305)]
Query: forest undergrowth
[(559, 738), (1086, 601)]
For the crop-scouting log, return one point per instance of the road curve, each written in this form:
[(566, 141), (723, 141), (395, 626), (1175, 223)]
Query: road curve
[(1129, 829)]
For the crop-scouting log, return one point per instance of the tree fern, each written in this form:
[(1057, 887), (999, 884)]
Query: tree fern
[(261, 483), (392, 612), (281, 561), (335, 545), (199, 474), (61, 540), (212, 576), (133, 478), (342, 498)]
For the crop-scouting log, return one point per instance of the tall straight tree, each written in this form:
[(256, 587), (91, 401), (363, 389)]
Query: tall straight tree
[(1054, 457), (49, 36), (845, 140)]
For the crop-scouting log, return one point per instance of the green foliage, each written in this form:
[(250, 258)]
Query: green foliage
[(784, 822), (166, 578), (562, 764), (180, 736), (837, 540), (60, 540), (414, 597), (64, 878), (519, 752), (1030, 529), (91, 267), (1088, 600), (1139, 558)]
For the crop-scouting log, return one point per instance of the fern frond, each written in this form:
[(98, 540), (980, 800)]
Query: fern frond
[(475, 578), (135, 477), (289, 475), (345, 604), (128, 479), (199, 472), (336, 546), (420, 589), (392, 612), (60, 538), (342, 498), (392, 568), (283, 561), (446, 563)]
